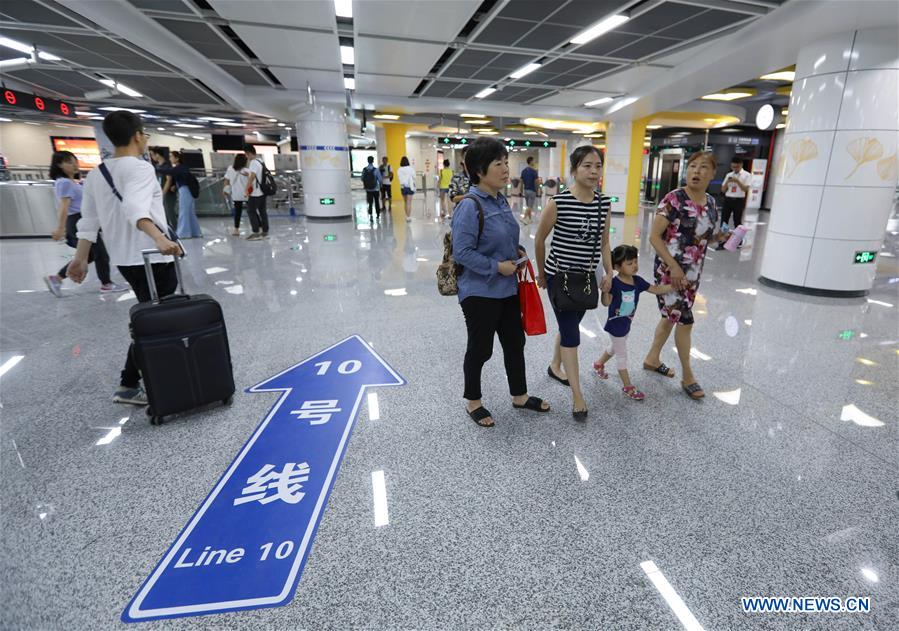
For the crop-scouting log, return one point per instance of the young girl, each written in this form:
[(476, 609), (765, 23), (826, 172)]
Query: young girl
[(622, 301), (236, 188)]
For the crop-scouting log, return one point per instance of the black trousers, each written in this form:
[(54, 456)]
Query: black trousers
[(385, 195), (733, 206), (372, 197), (238, 210), (166, 284), (485, 317), (98, 255), (257, 213)]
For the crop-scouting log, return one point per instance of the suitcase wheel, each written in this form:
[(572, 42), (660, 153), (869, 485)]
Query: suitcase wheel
[(154, 418), (229, 400)]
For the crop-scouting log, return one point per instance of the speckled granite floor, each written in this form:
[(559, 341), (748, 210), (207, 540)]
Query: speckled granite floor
[(783, 481)]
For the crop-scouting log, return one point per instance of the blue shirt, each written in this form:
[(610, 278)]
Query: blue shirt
[(479, 258), (624, 304), (529, 177), (378, 179), (64, 187)]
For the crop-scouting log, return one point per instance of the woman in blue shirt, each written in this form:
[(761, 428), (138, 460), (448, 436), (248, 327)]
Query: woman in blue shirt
[(488, 286), (64, 169), (188, 226)]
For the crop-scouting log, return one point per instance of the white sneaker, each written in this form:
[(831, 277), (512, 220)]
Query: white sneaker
[(112, 288), (235, 232)]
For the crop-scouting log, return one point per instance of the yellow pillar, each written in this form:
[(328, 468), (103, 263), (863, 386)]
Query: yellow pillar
[(635, 167), (395, 133)]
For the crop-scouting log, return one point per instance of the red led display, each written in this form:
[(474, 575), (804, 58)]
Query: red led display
[(39, 103)]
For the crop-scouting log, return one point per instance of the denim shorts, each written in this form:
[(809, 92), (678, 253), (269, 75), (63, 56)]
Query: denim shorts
[(407, 191), (569, 321)]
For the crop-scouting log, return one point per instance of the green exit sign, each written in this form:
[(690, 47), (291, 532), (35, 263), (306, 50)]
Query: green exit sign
[(326, 201), (330, 237), (848, 334), (613, 198), (865, 256)]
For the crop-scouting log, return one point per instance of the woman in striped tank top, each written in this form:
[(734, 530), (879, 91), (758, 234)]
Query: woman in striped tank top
[(579, 221)]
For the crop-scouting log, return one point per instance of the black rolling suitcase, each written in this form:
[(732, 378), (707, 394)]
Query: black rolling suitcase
[(181, 349)]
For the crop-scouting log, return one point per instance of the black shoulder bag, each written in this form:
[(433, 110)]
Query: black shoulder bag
[(576, 290)]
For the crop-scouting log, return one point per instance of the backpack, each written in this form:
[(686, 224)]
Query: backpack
[(193, 185), (448, 271), (369, 180), (267, 181)]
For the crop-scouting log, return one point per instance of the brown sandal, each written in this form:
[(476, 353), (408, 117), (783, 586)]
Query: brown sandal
[(662, 369), (694, 390)]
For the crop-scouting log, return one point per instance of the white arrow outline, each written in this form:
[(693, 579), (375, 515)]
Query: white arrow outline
[(133, 613)]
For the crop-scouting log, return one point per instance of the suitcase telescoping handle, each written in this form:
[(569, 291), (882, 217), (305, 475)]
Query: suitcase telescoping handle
[(151, 281)]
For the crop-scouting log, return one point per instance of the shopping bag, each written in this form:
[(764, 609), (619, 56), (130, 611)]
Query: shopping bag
[(532, 319)]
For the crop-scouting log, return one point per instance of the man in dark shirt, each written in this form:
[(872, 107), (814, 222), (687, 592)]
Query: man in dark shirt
[(529, 179)]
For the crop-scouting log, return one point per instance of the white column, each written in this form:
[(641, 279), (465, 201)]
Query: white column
[(380, 142), (325, 162), (618, 155), (836, 172)]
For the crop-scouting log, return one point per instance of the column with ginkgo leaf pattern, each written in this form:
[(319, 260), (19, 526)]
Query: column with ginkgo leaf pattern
[(837, 165)]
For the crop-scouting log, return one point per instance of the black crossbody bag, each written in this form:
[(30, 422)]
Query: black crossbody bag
[(576, 290)]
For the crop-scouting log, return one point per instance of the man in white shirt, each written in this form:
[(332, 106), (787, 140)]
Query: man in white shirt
[(130, 213), (256, 204), (736, 187)]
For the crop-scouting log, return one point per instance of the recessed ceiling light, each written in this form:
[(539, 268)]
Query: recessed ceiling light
[(349, 83), (531, 133), (198, 137), (178, 133), (604, 99), (592, 135), (121, 109), (785, 112), (124, 89), (525, 70), (472, 116), (653, 127), (273, 120), (188, 126), (347, 56), (26, 48), (82, 113), (485, 93), (343, 8), (783, 75), (731, 130), (160, 129), (5, 120), (282, 125), (216, 119), (603, 26), (479, 121), (483, 129), (387, 117), (731, 94), (224, 124), (488, 133), (780, 126)]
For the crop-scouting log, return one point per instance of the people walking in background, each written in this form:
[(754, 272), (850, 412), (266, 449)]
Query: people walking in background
[(446, 178), (686, 223), (256, 203), (460, 183), (129, 211), (160, 158), (579, 219), (736, 188), (188, 225), (621, 299), (236, 188), (371, 181), (64, 170), (529, 183), (386, 180), (488, 287), (407, 185)]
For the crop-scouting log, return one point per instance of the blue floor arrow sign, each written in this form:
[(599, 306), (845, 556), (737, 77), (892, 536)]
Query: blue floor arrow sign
[(246, 545)]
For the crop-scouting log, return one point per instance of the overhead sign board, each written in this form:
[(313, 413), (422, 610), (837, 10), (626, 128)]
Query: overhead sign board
[(15, 98)]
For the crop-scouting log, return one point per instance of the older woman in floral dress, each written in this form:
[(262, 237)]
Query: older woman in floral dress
[(686, 223)]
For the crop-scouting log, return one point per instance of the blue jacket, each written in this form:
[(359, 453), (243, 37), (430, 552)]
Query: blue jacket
[(377, 177), (479, 258)]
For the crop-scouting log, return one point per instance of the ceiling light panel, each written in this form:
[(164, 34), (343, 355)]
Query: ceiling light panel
[(603, 26), (525, 70)]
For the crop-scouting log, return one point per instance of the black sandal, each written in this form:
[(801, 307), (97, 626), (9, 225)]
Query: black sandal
[(662, 369), (549, 371), (533, 403), (479, 414)]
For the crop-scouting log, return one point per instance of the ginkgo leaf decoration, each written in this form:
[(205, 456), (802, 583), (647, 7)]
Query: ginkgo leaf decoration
[(864, 150), (802, 150), (887, 169)]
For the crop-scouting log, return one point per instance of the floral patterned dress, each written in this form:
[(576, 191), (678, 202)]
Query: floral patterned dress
[(690, 228)]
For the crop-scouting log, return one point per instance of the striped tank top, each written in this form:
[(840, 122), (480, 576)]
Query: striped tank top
[(579, 228)]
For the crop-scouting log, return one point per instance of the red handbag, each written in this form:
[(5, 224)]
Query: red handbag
[(532, 319)]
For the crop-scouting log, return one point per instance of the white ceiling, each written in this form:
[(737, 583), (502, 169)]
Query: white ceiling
[(283, 47), (308, 13), (388, 57), (438, 20), (385, 85)]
